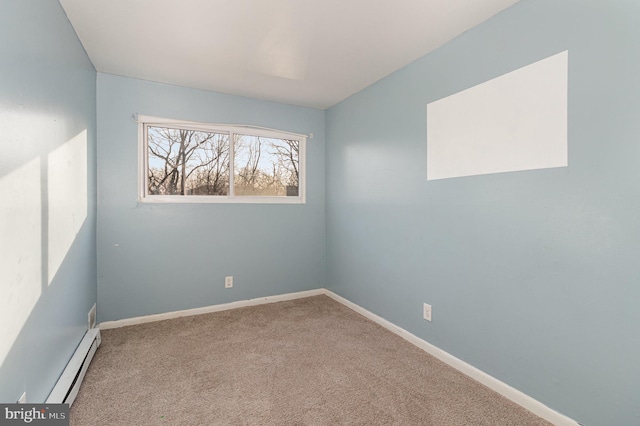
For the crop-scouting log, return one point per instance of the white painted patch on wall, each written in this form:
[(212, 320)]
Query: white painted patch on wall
[(517, 121)]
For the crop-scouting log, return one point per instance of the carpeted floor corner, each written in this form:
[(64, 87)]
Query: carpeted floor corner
[(309, 361)]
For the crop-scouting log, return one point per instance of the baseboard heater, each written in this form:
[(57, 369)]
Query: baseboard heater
[(68, 385)]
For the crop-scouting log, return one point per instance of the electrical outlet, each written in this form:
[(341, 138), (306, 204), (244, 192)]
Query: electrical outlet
[(23, 398), (426, 312), (228, 281)]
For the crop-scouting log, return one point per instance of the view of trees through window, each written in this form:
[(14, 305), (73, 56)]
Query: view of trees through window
[(265, 166), (187, 162), (196, 162)]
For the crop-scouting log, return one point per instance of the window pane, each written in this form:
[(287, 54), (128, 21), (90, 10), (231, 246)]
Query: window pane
[(187, 162), (265, 166)]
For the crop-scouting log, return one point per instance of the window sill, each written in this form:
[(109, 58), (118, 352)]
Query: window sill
[(204, 199)]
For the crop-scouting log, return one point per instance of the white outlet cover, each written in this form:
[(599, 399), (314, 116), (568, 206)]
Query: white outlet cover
[(228, 282), (426, 312), (23, 398)]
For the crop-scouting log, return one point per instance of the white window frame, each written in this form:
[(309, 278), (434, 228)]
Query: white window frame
[(143, 165)]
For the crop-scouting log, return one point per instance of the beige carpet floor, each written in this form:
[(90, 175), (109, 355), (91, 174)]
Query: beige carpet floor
[(309, 361)]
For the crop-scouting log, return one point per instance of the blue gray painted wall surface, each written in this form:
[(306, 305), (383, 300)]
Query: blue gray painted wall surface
[(533, 276), (47, 98), (155, 258)]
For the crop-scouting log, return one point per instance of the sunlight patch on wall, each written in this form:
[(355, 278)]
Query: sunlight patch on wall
[(517, 121), (67, 189), (20, 250)]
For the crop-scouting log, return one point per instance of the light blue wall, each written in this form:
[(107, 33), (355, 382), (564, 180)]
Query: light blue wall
[(155, 258), (47, 127), (533, 276)]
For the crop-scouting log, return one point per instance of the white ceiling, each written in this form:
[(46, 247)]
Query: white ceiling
[(311, 53)]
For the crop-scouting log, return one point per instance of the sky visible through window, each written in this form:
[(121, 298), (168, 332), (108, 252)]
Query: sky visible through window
[(195, 162)]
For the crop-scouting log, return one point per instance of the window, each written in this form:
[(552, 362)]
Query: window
[(194, 162)]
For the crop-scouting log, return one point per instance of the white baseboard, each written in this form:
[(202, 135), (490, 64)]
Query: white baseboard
[(520, 398), (209, 309), (491, 382)]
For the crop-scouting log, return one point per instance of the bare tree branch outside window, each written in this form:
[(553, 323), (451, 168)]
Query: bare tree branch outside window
[(187, 162), (266, 166), (190, 162)]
